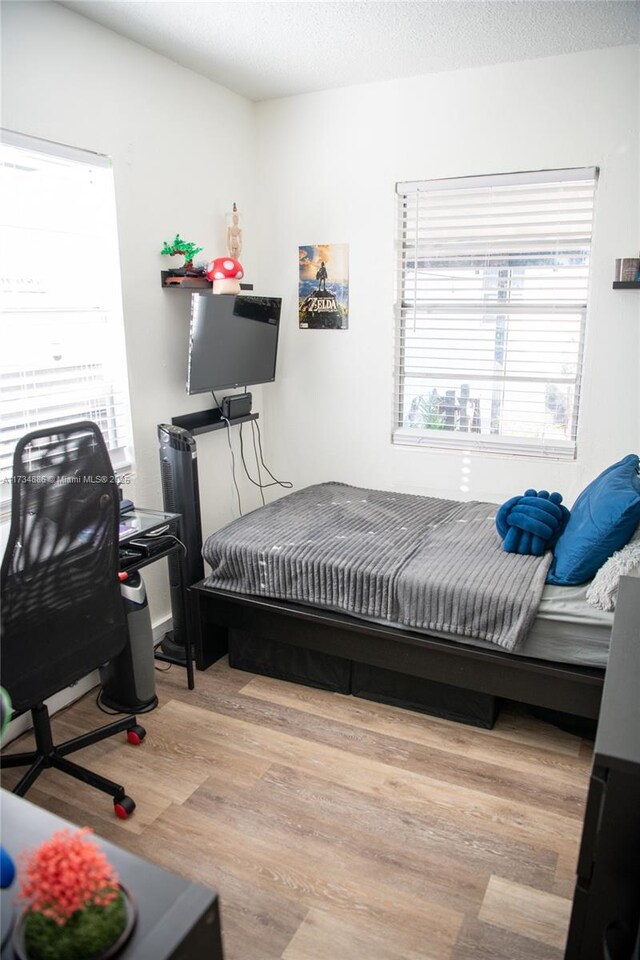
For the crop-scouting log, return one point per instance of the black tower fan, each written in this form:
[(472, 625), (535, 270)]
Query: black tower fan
[(180, 494)]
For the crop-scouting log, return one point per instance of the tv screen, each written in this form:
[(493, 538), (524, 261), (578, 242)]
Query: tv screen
[(233, 341)]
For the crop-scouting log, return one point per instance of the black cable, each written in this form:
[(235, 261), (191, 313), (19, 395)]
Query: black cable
[(255, 453), (257, 483), (172, 536), (110, 713), (233, 459), (263, 486), (286, 484), (233, 464)]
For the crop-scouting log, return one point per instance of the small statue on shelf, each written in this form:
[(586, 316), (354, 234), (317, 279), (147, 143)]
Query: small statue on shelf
[(234, 234)]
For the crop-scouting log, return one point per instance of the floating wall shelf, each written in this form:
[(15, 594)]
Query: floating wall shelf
[(626, 284), (170, 282), (203, 421)]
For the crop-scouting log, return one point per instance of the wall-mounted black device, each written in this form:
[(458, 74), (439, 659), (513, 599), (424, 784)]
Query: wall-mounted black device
[(235, 406)]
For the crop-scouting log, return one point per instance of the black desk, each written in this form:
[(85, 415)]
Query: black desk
[(177, 920), (145, 523)]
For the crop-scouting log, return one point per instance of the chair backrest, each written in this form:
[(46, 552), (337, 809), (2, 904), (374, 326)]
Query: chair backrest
[(62, 612)]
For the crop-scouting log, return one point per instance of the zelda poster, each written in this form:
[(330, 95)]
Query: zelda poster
[(323, 289)]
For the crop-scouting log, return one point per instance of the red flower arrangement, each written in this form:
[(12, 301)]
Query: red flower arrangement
[(74, 904), (65, 874)]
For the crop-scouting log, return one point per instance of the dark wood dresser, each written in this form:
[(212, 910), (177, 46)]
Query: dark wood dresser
[(605, 920)]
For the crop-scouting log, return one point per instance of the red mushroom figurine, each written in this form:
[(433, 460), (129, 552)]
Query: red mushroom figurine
[(226, 274)]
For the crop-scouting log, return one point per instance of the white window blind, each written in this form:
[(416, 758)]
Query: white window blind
[(493, 280), (63, 352)]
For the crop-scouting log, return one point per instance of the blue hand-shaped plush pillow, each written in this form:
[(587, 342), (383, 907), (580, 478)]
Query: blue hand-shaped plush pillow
[(602, 521)]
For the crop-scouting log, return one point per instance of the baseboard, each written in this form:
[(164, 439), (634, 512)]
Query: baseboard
[(160, 628)]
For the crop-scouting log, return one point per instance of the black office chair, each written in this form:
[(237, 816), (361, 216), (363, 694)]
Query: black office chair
[(62, 612)]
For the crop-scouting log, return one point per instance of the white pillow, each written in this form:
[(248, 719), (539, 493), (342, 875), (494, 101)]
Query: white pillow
[(603, 589)]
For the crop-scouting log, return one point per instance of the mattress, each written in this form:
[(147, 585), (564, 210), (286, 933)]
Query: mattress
[(566, 629)]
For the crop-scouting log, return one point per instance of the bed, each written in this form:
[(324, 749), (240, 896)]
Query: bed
[(398, 598)]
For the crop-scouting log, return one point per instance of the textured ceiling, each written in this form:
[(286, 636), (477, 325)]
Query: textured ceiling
[(275, 49)]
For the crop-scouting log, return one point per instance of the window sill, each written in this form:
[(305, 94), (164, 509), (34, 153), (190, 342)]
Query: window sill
[(441, 441)]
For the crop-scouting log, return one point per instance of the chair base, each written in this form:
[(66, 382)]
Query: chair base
[(47, 754)]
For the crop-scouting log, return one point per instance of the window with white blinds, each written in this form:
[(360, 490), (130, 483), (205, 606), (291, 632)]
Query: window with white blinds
[(492, 302), (63, 352)]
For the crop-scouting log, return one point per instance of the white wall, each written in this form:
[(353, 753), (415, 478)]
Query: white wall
[(328, 167), (322, 168), (183, 150)]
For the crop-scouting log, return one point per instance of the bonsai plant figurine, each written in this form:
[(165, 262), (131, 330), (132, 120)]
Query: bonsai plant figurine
[(74, 907), (188, 251)]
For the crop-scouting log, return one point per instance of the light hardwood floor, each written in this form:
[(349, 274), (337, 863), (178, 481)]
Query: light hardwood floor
[(338, 829)]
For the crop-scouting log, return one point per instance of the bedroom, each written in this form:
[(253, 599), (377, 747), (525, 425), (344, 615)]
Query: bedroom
[(183, 147)]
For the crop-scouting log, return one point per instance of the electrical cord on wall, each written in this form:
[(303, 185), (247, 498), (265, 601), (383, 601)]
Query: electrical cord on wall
[(233, 459), (233, 465), (263, 486), (255, 453), (285, 484), (259, 457), (257, 483), (256, 456)]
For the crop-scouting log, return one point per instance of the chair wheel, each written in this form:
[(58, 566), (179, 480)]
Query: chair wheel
[(136, 735), (124, 808)]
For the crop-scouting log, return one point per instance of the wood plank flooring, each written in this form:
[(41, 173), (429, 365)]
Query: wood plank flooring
[(338, 829)]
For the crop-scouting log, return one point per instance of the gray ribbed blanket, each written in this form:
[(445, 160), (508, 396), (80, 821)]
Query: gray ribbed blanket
[(434, 565)]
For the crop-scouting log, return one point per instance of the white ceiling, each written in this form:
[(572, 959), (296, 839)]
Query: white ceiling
[(276, 49)]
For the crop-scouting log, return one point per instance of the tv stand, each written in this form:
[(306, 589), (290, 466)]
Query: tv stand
[(203, 421)]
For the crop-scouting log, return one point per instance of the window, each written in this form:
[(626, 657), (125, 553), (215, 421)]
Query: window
[(63, 355), (493, 279)]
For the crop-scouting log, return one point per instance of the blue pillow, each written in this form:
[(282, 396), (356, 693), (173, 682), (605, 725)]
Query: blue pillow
[(531, 524), (602, 521)]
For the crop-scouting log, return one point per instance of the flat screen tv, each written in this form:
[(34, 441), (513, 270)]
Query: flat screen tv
[(233, 341)]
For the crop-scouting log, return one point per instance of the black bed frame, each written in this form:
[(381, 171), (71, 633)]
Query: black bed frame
[(561, 687)]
